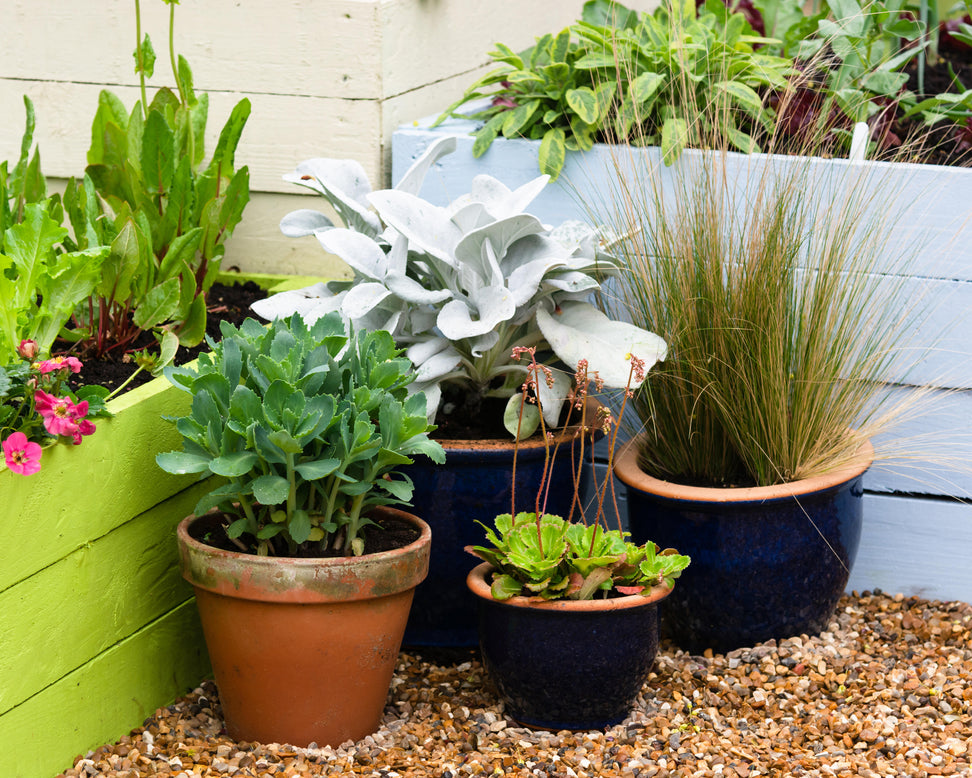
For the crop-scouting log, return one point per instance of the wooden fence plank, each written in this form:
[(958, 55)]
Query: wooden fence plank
[(105, 698)]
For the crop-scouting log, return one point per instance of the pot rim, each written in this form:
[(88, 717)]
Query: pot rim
[(476, 581), (490, 445), (627, 469), (305, 579)]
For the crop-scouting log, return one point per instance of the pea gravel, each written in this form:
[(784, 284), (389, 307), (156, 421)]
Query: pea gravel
[(886, 691)]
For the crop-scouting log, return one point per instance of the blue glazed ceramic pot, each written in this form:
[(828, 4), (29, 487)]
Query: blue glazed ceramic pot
[(473, 485), (567, 664), (767, 562)]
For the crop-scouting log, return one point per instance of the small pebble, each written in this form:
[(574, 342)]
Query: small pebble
[(886, 690)]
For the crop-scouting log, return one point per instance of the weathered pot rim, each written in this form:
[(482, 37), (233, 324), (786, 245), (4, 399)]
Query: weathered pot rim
[(627, 469), (304, 580), (478, 585)]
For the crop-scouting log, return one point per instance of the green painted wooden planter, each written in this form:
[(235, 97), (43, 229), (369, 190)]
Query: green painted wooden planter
[(97, 627)]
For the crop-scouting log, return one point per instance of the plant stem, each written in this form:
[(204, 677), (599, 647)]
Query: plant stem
[(141, 59)]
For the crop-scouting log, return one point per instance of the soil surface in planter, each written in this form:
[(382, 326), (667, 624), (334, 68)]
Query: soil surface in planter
[(226, 302), (887, 690), (384, 534), (945, 143)]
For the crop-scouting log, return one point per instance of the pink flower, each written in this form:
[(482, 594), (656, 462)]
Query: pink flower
[(57, 363), (27, 348), (22, 456), (85, 427), (59, 413)]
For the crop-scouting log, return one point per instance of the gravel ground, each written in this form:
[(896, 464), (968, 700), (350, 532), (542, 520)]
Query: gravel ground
[(886, 691)]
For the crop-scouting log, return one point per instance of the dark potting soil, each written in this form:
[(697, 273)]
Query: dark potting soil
[(387, 533), (226, 302), (945, 143)]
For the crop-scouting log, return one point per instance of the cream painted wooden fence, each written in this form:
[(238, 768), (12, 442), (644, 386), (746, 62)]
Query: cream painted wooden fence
[(328, 78)]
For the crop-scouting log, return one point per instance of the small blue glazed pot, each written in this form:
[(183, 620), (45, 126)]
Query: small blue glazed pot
[(567, 664), (767, 562), (473, 485)]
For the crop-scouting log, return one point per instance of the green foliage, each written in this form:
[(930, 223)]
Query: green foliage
[(166, 213), (550, 558), (654, 77), (307, 427), (41, 280)]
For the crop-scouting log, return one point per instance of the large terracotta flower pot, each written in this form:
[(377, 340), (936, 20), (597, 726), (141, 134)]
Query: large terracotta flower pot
[(767, 562), (473, 485), (303, 650), (567, 664)]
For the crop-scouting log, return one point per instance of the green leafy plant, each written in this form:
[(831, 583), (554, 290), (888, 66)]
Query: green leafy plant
[(617, 75), (307, 426), (460, 286), (165, 212), (548, 557), (41, 279)]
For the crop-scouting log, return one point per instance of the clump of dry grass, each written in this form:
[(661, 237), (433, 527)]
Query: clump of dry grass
[(782, 304)]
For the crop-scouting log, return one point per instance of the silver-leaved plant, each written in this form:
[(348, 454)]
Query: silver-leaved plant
[(459, 286)]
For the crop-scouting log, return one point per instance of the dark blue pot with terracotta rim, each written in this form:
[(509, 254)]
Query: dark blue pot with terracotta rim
[(474, 484), (567, 664), (767, 562)]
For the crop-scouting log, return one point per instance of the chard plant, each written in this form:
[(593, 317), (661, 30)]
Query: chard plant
[(548, 557), (307, 426), (460, 286), (41, 279), (166, 212)]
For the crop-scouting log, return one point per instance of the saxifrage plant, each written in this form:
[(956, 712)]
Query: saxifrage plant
[(168, 214), (460, 286), (307, 425), (548, 557)]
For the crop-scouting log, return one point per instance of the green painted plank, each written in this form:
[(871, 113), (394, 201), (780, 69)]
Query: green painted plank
[(104, 699), (91, 600), (84, 492)]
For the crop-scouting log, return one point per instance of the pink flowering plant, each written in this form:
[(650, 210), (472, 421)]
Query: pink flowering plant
[(36, 407)]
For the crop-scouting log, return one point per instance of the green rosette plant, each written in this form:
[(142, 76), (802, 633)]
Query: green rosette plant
[(166, 213), (307, 427), (547, 557)]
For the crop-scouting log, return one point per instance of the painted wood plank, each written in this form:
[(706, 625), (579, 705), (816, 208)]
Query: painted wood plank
[(919, 547), (105, 698), (927, 205), (329, 48), (258, 246), (95, 597), (282, 130), (122, 451)]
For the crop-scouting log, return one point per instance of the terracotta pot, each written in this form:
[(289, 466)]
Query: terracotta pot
[(473, 485), (303, 650), (567, 664), (767, 562)]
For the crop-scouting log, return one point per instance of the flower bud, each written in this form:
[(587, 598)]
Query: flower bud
[(27, 348)]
